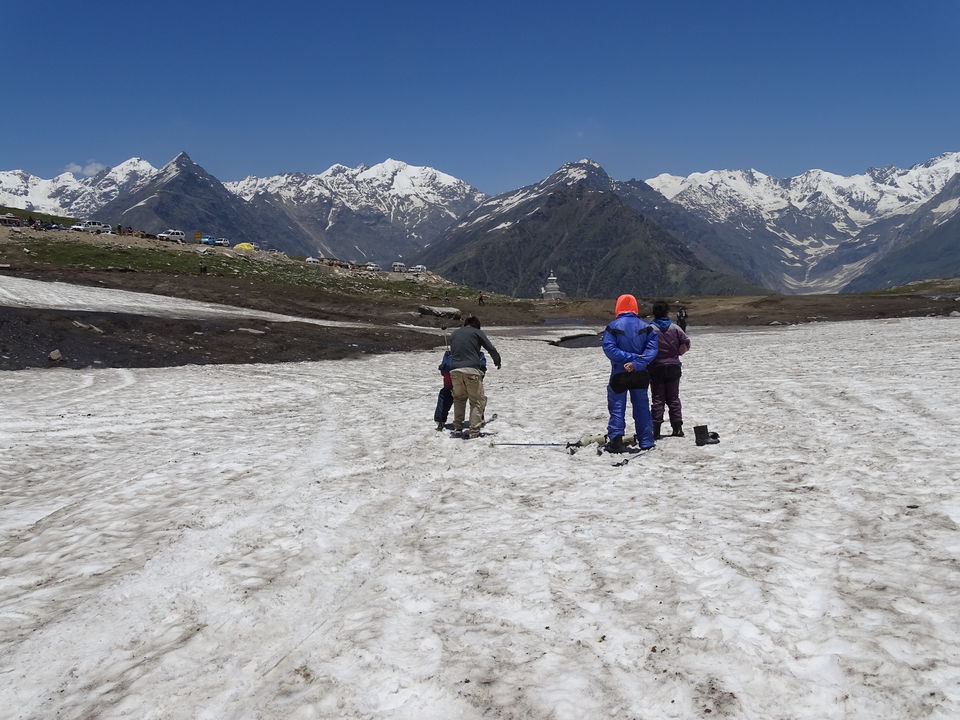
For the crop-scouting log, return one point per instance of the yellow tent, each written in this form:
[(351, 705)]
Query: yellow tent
[(244, 246)]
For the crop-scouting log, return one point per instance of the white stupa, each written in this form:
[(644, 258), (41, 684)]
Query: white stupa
[(552, 291)]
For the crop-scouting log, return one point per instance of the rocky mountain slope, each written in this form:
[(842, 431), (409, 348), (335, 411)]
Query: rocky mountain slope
[(383, 213), (183, 195), (813, 232), (380, 213), (71, 196), (924, 244), (575, 223), (816, 232)]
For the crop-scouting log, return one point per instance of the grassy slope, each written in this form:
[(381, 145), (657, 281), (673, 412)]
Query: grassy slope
[(265, 281), (25, 214)]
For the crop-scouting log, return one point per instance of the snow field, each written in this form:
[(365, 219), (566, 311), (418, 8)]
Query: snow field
[(296, 541)]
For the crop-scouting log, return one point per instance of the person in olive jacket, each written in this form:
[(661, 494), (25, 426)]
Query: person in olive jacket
[(467, 366)]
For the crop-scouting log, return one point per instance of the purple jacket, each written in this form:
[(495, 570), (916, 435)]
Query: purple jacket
[(673, 343)]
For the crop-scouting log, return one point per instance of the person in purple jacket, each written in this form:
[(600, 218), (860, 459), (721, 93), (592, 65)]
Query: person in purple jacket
[(665, 371)]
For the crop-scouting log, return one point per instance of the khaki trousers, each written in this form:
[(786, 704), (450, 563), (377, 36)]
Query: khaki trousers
[(467, 386)]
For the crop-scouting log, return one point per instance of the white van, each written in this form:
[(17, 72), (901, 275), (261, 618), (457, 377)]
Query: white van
[(418, 269), (398, 267), (93, 226), (312, 261), (172, 235)]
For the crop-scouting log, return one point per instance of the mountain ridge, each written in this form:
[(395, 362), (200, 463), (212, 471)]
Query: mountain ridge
[(814, 232), (575, 223), (797, 228)]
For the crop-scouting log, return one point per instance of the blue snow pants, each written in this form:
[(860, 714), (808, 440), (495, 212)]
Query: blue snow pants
[(643, 422), (444, 403)]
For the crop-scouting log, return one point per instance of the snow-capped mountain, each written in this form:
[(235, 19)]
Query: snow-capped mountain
[(581, 224), (374, 213), (20, 189), (71, 196), (392, 188), (183, 195), (365, 213), (900, 249), (794, 227), (816, 232)]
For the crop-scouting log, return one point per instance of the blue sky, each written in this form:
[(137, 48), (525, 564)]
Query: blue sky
[(496, 93)]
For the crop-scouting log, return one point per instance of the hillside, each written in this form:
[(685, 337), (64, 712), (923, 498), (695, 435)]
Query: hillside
[(576, 224), (720, 231), (385, 304)]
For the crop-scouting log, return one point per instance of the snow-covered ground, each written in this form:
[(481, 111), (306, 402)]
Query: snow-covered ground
[(23, 292), (297, 541)]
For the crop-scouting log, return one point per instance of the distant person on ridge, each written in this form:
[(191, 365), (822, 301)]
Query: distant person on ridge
[(466, 371), (480, 299), (665, 370), (631, 344), (682, 318)]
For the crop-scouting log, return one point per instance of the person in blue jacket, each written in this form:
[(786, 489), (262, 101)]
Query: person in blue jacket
[(631, 344)]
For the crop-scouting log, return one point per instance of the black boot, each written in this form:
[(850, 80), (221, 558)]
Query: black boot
[(615, 445), (704, 436), (677, 429), (656, 431)]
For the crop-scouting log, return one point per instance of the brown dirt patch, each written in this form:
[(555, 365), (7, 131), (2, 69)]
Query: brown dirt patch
[(27, 336)]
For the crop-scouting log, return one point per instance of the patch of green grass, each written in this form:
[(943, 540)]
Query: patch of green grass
[(922, 287), (176, 261), (44, 217)]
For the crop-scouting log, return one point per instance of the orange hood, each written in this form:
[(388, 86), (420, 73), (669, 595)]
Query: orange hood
[(626, 303)]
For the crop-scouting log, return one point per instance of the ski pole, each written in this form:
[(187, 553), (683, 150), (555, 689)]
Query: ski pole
[(571, 447), (534, 444)]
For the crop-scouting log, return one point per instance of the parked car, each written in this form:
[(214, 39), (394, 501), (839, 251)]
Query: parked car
[(418, 269), (312, 261), (374, 267), (222, 242), (172, 236), (207, 240), (398, 267), (94, 226)]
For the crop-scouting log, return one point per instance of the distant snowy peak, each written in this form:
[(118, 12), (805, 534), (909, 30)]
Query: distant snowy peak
[(386, 187), (402, 179), (864, 198), (586, 171), (107, 185), (180, 164), (71, 196), (128, 175), (134, 169), (22, 190), (818, 230)]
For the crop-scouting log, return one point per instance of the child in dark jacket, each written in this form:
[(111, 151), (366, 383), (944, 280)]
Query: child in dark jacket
[(445, 396), (665, 371)]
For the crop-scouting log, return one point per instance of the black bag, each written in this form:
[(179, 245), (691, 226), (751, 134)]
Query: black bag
[(637, 380), (660, 373)]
